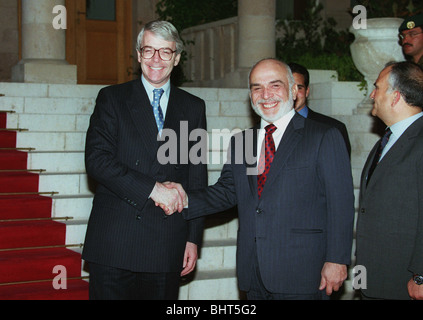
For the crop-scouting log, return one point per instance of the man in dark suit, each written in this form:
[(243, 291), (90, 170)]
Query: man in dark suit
[(390, 217), (302, 79), (295, 234), (134, 251)]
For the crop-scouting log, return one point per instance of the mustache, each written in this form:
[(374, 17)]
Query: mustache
[(268, 100)]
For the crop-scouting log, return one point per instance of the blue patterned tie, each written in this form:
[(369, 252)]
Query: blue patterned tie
[(158, 113)]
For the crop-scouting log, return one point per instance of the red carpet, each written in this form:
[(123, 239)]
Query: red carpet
[(13, 160), (31, 244), (24, 234), (7, 139), (24, 207), (3, 119), (18, 182)]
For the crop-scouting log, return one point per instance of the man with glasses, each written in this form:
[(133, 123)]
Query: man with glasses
[(411, 37), (133, 250)]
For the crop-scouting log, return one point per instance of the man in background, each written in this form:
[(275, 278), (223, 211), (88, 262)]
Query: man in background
[(302, 79), (411, 35)]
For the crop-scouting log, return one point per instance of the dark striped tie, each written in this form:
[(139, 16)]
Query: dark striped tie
[(378, 154)]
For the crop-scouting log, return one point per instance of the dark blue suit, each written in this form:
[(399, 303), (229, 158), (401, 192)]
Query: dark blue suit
[(126, 230), (304, 217)]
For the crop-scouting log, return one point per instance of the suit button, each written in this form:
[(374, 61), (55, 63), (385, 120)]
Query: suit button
[(259, 211), (138, 217), (363, 210)]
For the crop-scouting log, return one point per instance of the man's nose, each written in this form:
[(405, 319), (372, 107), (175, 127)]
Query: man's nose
[(267, 93)]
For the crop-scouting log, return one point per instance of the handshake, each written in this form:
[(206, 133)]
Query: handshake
[(169, 196)]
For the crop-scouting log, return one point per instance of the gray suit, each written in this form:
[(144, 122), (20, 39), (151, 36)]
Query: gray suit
[(390, 219), (304, 217)]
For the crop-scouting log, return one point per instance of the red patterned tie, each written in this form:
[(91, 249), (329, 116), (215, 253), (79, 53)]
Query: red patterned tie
[(269, 152)]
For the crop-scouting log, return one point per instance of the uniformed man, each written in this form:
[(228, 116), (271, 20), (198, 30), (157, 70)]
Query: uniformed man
[(411, 35)]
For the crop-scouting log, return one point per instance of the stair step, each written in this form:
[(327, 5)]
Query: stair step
[(75, 290), (52, 122), (3, 119), (70, 161), (14, 266), (48, 141), (69, 183), (76, 206), (7, 139), (13, 160), (25, 234), (75, 231), (11, 182), (25, 207)]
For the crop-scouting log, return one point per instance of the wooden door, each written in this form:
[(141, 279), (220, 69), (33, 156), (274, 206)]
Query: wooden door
[(98, 40)]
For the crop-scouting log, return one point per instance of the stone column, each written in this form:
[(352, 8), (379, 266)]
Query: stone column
[(43, 46), (257, 34)]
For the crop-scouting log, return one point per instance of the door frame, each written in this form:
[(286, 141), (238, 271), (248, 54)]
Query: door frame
[(75, 39)]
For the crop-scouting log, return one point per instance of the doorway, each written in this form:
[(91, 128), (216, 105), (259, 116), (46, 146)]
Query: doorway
[(98, 40)]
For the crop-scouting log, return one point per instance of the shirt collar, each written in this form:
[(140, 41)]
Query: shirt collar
[(399, 127), (149, 88), (304, 112), (281, 122)]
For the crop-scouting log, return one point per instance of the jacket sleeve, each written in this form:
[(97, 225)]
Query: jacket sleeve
[(336, 178), (198, 178), (213, 199)]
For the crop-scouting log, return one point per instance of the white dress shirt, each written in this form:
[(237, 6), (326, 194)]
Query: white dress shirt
[(281, 125)]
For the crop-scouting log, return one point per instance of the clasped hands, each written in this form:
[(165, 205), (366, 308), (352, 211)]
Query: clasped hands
[(169, 196)]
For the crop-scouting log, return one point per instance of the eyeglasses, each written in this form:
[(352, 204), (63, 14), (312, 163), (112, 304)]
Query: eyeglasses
[(411, 35), (164, 53)]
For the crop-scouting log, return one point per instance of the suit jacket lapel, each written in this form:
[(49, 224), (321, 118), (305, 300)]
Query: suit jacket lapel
[(396, 151), (175, 110), (369, 161), (142, 116), (251, 167), (290, 139), (293, 134)]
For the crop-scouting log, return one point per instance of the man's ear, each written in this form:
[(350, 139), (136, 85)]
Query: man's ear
[(177, 59), (395, 98)]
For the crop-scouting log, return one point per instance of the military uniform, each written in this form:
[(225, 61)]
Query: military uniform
[(411, 23)]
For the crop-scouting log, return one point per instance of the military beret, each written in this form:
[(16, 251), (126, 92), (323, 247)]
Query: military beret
[(411, 22)]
